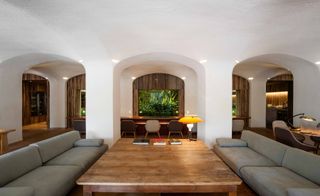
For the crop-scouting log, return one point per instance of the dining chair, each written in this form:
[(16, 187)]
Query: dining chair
[(175, 126), (237, 125), (152, 126), (282, 124), (128, 126), (286, 137)]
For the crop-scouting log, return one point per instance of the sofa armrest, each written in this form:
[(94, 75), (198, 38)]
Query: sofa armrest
[(228, 142), (89, 143), (303, 191), (17, 191)]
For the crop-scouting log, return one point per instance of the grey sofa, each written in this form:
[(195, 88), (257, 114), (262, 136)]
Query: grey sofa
[(269, 167), (49, 167)]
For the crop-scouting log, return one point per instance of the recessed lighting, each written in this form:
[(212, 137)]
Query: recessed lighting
[(65, 78), (183, 78), (115, 60), (250, 78), (46, 78), (237, 61), (133, 78), (203, 61), (80, 61), (318, 62)]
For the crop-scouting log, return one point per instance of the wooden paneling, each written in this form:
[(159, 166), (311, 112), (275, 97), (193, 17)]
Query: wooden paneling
[(288, 77), (241, 86), (33, 84), (158, 81), (74, 87)]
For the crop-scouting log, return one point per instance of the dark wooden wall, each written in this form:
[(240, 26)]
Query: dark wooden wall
[(158, 81), (288, 77), (32, 84), (241, 86), (74, 87)]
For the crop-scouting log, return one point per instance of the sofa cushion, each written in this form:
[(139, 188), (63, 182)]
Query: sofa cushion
[(17, 191), (265, 146), (228, 142), (273, 180), (54, 146), (88, 143), (17, 163), (80, 156), (303, 192), (238, 157), (303, 163), (49, 180)]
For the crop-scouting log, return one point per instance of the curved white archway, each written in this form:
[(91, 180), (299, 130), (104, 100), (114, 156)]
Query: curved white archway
[(262, 67), (161, 63)]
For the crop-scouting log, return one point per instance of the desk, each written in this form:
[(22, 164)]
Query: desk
[(4, 139), (187, 168)]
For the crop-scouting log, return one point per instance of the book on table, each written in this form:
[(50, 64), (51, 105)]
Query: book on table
[(158, 142), (175, 142), (141, 141)]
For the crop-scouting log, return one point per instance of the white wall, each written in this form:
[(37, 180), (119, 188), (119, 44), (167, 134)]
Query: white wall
[(58, 102)]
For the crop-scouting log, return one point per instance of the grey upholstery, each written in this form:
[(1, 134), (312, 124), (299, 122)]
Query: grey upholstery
[(49, 180), (274, 150), (152, 126), (228, 142), (303, 163), (88, 143), (303, 192), (17, 163), (79, 156), (17, 191), (54, 146), (274, 180), (237, 125), (238, 157)]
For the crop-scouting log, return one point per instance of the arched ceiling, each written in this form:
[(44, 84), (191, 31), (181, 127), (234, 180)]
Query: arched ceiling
[(213, 29)]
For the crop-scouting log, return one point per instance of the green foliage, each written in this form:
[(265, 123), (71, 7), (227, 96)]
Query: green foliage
[(158, 103)]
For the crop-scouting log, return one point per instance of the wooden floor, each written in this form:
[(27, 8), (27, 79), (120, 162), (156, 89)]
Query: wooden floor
[(34, 135)]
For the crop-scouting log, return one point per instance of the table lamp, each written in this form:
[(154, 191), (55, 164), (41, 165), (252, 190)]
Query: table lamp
[(190, 120)]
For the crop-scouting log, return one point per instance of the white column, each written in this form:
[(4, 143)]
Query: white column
[(58, 103), (257, 101)]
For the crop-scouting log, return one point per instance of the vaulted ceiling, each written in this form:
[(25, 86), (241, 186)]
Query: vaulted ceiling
[(210, 29)]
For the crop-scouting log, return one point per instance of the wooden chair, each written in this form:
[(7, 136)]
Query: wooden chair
[(175, 126), (152, 126), (128, 126), (286, 137), (282, 124)]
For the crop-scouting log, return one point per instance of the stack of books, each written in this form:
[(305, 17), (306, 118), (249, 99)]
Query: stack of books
[(141, 141), (158, 142), (175, 142)]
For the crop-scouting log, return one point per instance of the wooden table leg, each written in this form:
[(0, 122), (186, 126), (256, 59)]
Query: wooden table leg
[(1, 144), (4, 143), (232, 193), (87, 191)]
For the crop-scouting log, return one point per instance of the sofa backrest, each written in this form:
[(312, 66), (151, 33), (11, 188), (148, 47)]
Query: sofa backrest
[(54, 146), (303, 163), (17, 163), (265, 146)]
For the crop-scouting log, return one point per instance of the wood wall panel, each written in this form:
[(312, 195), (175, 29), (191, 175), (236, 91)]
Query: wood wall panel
[(241, 85), (31, 84), (288, 77), (74, 87), (158, 81)]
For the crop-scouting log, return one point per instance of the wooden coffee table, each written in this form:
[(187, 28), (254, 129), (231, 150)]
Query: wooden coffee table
[(187, 168)]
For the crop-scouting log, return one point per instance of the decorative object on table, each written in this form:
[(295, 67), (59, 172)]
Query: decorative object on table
[(158, 141), (141, 141), (190, 121), (175, 142), (302, 117)]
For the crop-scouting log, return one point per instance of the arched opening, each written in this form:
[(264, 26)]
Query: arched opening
[(184, 68), (35, 99), (261, 70), (279, 99)]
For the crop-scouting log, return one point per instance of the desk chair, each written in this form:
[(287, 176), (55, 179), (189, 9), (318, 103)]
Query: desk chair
[(152, 126), (128, 126), (282, 124), (175, 126)]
